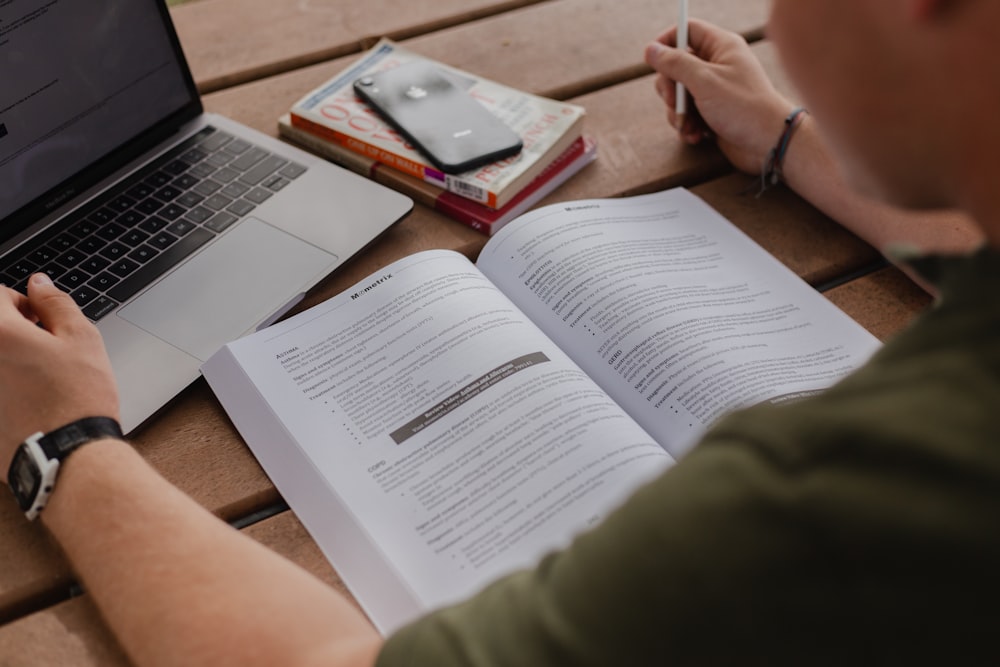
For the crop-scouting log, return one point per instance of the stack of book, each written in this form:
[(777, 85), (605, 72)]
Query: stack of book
[(331, 121)]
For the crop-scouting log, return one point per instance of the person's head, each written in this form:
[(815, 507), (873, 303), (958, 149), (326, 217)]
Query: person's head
[(906, 91)]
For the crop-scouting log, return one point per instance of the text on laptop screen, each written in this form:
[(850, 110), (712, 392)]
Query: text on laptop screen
[(79, 79)]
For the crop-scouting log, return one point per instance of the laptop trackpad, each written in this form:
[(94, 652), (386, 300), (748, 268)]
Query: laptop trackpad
[(227, 289)]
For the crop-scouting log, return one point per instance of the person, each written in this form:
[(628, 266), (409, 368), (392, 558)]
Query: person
[(856, 526)]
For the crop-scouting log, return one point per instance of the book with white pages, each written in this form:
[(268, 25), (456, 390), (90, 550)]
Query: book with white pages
[(442, 423)]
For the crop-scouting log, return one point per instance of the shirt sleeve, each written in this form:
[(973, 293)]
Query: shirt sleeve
[(694, 552)]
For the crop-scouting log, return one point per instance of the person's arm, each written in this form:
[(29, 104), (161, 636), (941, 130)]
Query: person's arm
[(176, 585), (738, 107)]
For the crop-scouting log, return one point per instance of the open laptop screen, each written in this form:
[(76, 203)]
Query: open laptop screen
[(81, 78)]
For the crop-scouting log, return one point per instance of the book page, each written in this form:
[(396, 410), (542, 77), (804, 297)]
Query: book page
[(437, 418), (676, 313)]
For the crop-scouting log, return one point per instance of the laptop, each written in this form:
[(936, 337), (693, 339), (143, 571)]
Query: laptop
[(175, 230)]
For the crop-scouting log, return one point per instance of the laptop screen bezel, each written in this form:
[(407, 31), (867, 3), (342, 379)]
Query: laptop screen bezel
[(70, 189)]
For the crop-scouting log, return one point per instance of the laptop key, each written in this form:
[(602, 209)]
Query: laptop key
[(198, 214), (262, 170), (240, 207), (276, 183), (202, 170), (158, 179), (140, 191), (95, 264), (162, 241), (167, 193), (189, 199), (122, 204), (219, 159), (130, 218), (91, 244), (114, 251), (215, 141), (181, 227), (111, 231), (103, 281), (225, 175), (293, 170), (70, 281), (207, 188), (235, 189), (42, 255), (218, 202), (21, 270), (185, 181), (102, 216), (71, 258), (84, 228), (123, 267), (160, 264), (221, 221), (84, 295), (258, 195), (54, 271), (153, 225), (99, 307), (143, 253), (149, 206), (172, 211), (238, 146), (194, 156), (134, 237), (64, 241), (177, 167), (248, 159)]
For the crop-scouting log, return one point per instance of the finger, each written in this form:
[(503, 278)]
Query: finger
[(708, 40), (675, 65), (12, 301), (55, 309)]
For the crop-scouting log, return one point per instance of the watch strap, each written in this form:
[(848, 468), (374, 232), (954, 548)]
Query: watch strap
[(59, 443)]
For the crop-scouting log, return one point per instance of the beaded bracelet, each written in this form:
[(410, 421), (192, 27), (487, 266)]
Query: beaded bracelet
[(772, 172)]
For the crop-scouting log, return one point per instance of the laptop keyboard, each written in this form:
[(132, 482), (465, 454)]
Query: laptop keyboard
[(133, 234)]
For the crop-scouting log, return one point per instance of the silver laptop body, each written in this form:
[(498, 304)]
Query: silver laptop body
[(98, 92)]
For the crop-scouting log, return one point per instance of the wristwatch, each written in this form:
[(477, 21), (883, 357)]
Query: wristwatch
[(32, 473)]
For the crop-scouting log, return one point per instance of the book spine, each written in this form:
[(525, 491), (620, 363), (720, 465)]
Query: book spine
[(581, 152)]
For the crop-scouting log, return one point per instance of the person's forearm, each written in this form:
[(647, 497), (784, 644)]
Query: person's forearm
[(809, 169), (180, 587)]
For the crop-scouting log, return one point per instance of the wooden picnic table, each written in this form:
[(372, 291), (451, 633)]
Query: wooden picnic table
[(253, 58)]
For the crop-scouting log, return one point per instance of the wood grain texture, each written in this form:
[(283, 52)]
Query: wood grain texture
[(884, 302), (558, 48), (228, 42), (192, 443)]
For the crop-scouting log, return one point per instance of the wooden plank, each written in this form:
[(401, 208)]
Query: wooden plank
[(194, 446), (73, 633), (566, 48), (884, 302), (228, 42)]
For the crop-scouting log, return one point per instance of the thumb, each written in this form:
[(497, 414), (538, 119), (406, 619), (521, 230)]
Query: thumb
[(54, 308), (674, 64)]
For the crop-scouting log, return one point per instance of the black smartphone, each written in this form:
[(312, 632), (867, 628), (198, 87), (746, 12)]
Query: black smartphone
[(441, 120)]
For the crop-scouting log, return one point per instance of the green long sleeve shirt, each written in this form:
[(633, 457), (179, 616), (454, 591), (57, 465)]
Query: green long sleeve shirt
[(859, 526)]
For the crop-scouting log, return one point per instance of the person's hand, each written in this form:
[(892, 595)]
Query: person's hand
[(734, 101), (50, 375)]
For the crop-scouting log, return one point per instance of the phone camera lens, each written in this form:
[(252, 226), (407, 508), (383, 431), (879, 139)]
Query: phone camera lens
[(366, 81)]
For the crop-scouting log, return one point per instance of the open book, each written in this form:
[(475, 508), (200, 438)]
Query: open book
[(443, 423)]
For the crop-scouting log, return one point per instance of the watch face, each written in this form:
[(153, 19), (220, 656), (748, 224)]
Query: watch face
[(24, 478)]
